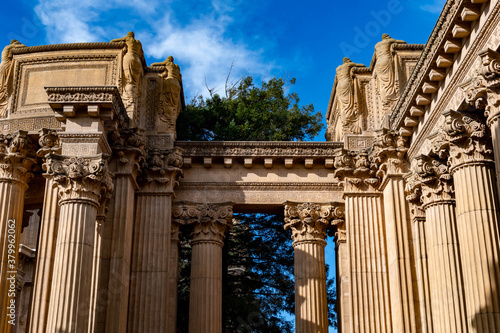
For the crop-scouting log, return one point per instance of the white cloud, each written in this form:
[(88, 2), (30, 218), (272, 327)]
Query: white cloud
[(436, 7), (200, 45)]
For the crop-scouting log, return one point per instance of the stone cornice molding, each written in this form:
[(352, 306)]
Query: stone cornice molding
[(101, 101), (80, 178), (17, 157), (210, 221), (70, 46), (129, 155), (482, 92), (163, 169), (309, 221), (469, 138), (49, 142)]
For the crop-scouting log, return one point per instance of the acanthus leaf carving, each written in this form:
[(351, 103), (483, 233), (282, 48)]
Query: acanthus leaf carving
[(80, 178), (129, 155), (164, 167), (17, 157), (49, 142), (388, 154)]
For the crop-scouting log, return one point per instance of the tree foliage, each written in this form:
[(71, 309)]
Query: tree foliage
[(250, 113), (258, 293)]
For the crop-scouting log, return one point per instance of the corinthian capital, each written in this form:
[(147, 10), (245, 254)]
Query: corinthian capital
[(355, 171), (129, 155), (210, 221), (49, 142), (468, 137), (164, 168), (80, 178), (309, 222), (17, 157), (435, 179), (388, 154)]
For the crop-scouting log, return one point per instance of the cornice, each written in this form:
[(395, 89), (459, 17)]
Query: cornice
[(70, 46)]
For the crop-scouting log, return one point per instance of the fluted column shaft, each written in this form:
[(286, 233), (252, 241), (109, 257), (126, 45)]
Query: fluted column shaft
[(11, 216), (371, 307), (173, 277), (150, 259), (399, 254), (308, 223), (477, 225), (343, 281), (446, 283), (45, 258)]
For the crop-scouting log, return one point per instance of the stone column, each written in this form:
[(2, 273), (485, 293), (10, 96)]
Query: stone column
[(477, 214), (388, 156), (420, 244), (149, 292), (82, 182), (446, 282), (210, 223), (173, 273), (308, 223), (370, 296), (128, 154), (17, 158), (343, 279), (49, 143)]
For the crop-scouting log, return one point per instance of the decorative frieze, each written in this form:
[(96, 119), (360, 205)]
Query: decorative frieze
[(17, 157), (86, 178)]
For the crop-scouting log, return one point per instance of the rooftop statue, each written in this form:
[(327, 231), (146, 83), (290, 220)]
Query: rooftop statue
[(384, 71), (170, 94), (5, 74), (132, 67), (347, 96)]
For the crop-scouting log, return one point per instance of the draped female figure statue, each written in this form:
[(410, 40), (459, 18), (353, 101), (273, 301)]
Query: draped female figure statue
[(170, 94), (347, 96), (132, 67), (384, 71), (5, 75)]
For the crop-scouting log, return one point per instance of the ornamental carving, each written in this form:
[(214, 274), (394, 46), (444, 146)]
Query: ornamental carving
[(163, 167), (49, 142), (482, 92), (389, 149), (435, 180), (309, 222), (80, 178), (210, 221), (6, 76), (468, 137), (355, 171), (17, 157), (129, 156)]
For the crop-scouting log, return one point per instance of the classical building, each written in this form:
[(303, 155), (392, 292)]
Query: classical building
[(94, 188)]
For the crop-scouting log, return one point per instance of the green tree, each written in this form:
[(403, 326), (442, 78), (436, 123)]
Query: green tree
[(258, 253)]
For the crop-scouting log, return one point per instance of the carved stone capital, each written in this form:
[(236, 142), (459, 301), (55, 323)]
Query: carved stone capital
[(355, 171), (163, 169), (309, 222), (413, 190), (17, 157), (175, 228), (388, 154), (210, 221), (341, 234), (129, 156), (469, 138), (482, 92), (435, 179), (80, 178)]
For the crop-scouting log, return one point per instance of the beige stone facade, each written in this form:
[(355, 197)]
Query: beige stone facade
[(94, 188)]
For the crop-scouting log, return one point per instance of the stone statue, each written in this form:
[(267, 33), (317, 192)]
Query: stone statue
[(132, 68), (384, 71), (170, 94), (347, 96), (5, 75)]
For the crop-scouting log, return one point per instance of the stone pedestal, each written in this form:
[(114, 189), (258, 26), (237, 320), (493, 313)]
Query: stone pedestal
[(209, 222), (16, 161), (477, 214), (308, 223)]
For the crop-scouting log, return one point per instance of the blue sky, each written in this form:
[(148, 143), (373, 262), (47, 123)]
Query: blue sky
[(263, 38)]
